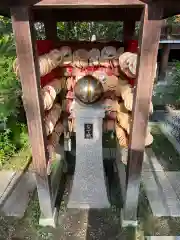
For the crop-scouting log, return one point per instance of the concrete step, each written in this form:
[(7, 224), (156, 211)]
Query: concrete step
[(160, 192), (17, 202)]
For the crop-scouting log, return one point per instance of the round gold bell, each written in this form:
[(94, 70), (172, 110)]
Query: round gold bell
[(88, 89)]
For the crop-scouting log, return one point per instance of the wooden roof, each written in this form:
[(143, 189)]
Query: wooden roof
[(96, 10)]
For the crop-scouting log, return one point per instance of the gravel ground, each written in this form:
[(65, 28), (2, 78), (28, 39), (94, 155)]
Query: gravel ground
[(100, 225), (72, 224)]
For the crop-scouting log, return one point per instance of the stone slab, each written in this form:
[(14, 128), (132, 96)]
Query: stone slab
[(108, 153), (174, 178), (7, 180), (161, 238), (17, 202), (161, 195), (153, 195), (151, 162), (166, 130)]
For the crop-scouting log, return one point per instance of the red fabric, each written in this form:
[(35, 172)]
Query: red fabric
[(44, 46), (132, 46), (131, 81), (55, 73)]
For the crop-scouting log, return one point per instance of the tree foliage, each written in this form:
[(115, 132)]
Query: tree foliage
[(13, 133), (85, 30)]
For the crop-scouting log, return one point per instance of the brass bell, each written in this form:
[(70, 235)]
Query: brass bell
[(88, 89)]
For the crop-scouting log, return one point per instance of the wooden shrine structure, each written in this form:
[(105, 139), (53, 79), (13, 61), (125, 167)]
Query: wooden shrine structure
[(25, 13)]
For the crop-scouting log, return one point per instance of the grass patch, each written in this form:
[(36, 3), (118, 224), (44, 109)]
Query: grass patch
[(28, 227), (19, 161), (164, 150)]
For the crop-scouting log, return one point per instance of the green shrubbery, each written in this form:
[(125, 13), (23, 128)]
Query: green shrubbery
[(169, 93), (13, 128), (176, 85)]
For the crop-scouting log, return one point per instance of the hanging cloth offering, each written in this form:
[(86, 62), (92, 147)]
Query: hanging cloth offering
[(107, 54), (128, 64), (66, 54), (121, 136), (80, 58), (52, 118), (54, 140), (94, 57), (47, 62), (49, 93)]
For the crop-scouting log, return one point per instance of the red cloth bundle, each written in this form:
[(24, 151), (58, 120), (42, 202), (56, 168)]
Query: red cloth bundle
[(132, 46), (55, 73), (43, 47)]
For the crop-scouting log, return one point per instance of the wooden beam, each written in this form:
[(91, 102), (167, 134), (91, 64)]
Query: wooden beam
[(164, 61), (149, 43), (129, 29), (50, 25), (30, 81), (88, 14), (89, 3), (170, 8)]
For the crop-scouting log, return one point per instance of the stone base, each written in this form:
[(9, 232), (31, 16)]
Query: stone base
[(127, 223), (89, 187), (91, 205), (51, 222), (162, 238)]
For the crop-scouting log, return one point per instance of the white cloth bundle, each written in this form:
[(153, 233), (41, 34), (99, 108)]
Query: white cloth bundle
[(54, 138), (121, 136), (94, 57), (52, 118), (128, 64), (67, 56), (49, 93), (80, 58), (107, 54), (47, 62)]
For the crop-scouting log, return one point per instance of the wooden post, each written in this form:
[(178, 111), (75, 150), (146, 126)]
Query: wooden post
[(164, 61), (129, 30), (50, 26), (30, 81), (149, 43)]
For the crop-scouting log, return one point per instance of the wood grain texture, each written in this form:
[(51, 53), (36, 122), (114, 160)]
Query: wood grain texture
[(30, 81), (90, 3), (88, 14), (148, 43), (170, 7), (50, 25), (88, 45), (129, 29), (164, 60)]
